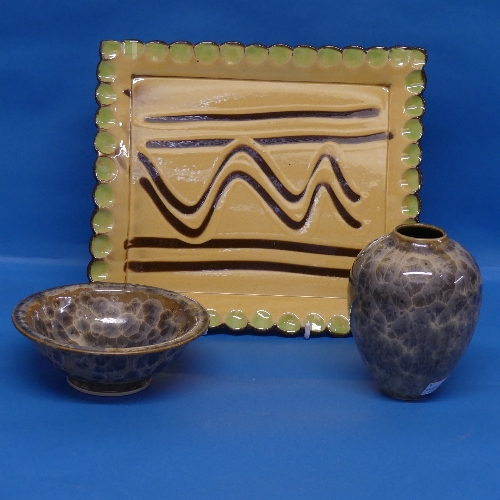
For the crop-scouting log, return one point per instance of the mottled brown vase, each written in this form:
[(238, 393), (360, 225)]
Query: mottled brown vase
[(414, 299)]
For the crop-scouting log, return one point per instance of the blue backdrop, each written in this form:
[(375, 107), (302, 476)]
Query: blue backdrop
[(241, 417)]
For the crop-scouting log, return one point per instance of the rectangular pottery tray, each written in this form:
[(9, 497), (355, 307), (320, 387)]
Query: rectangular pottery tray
[(249, 178)]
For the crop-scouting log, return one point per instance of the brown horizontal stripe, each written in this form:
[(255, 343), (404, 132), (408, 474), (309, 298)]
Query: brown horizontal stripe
[(196, 143), (291, 246), (237, 265), (318, 139), (357, 113), (270, 141)]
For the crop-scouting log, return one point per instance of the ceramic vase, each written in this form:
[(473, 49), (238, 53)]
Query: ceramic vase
[(414, 299)]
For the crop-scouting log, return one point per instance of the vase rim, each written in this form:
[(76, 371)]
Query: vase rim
[(418, 232)]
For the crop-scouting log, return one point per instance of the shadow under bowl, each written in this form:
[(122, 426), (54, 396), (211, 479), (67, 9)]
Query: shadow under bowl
[(110, 338)]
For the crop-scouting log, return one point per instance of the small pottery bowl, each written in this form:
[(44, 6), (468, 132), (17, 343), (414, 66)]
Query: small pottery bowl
[(110, 338)]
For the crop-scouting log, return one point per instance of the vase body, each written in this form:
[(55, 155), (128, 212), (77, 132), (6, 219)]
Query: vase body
[(414, 298)]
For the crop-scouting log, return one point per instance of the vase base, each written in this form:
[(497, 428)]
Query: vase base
[(402, 397), (96, 389)]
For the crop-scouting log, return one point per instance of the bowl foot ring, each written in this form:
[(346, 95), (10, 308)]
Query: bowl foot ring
[(96, 389)]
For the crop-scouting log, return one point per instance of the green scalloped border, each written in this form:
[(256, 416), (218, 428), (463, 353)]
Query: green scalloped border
[(232, 53), (287, 323), (411, 157)]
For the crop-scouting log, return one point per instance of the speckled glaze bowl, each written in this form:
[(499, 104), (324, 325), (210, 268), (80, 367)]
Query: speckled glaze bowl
[(110, 338), (414, 299)]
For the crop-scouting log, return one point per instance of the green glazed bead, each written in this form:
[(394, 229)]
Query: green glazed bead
[(104, 196), (353, 57), (215, 319), (411, 206), (377, 57), (412, 155), (105, 118), (105, 94), (288, 323), (98, 270), (415, 106), (110, 49), (339, 325), (103, 221), (415, 82), (280, 54), (206, 52), (329, 56), (181, 52), (304, 56), (133, 49), (105, 143), (156, 51), (105, 169), (232, 53), (100, 246), (261, 320), (417, 58), (399, 56), (412, 130), (256, 54), (106, 72), (410, 180), (236, 319)]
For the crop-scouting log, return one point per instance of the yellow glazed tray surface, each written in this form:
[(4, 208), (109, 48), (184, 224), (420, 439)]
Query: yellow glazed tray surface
[(249, 178)]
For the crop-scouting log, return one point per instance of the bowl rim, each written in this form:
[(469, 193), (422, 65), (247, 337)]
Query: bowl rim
[(201, 317)]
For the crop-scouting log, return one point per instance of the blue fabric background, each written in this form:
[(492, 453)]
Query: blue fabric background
[(241, 417)]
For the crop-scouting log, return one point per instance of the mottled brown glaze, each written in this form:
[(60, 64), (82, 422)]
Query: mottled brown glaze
[(111, 337), (414, 298)]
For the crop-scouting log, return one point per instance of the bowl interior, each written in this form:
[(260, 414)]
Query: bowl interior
[(117, 316)]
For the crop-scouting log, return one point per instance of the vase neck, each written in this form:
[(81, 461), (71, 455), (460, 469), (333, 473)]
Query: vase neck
[(420, 234)]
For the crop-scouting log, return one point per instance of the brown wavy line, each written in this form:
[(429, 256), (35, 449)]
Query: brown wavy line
[(285, 218), (264, 166), (291, 223)]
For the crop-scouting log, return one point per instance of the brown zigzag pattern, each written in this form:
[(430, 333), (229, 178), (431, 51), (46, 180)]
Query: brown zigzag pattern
[(186, 230), (264, 166)]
